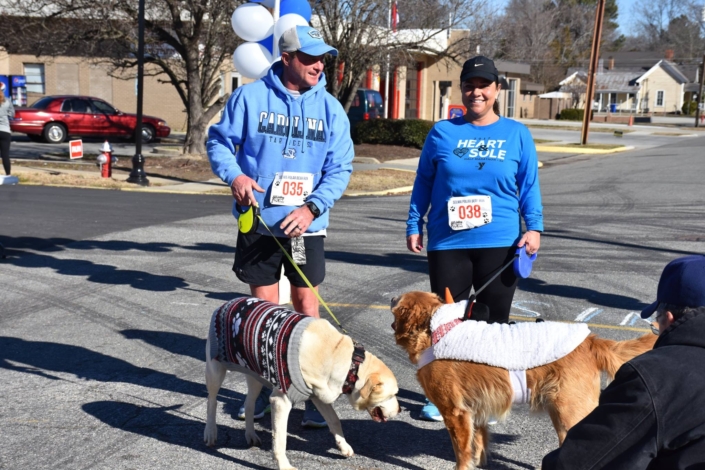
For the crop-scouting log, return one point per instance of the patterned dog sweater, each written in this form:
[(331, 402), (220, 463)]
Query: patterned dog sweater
[(261, 339)]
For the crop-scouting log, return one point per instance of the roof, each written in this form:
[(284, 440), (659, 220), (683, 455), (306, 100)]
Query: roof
[(504, 66), (556, 94), (531, 86), (624, 79)]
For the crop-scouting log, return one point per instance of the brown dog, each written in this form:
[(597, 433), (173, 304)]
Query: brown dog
[(468, 393)]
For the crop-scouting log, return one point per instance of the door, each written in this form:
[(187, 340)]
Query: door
[(110, 121), (77, 114)]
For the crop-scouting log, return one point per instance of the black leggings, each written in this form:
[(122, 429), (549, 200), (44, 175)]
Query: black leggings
[(459, 270), (5, 139)]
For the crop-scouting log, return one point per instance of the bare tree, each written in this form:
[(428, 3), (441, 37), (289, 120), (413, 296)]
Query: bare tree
[(553, 35), (669, 24), (358, 29), (186, 41)]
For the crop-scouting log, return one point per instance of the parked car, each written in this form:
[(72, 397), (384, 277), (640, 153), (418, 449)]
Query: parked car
[(366, 105), (54, 118)]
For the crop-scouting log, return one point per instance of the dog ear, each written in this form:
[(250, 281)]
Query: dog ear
[(372, 383), (449, 298)]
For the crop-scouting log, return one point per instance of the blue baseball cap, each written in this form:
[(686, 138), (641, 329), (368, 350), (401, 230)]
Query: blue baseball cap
[(682, 283), (305, 39)]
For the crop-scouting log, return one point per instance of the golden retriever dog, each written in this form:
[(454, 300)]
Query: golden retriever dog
[(467, 394), (329, 364)]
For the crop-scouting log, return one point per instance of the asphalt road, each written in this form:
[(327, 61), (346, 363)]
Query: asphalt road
[(106, 299)]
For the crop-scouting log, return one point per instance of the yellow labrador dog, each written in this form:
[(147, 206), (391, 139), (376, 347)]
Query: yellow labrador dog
[(299, 357)]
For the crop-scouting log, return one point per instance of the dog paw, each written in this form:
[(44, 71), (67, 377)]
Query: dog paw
[(210, 435), (252, 439), (345, 448)]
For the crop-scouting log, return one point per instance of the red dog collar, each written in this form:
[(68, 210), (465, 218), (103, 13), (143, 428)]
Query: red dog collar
[(358, 358)]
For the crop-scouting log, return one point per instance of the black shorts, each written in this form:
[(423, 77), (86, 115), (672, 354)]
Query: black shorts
[(258, 260)]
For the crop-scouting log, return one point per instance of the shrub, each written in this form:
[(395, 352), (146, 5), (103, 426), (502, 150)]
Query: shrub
[(689, 108), (404, 132), (572, 114)]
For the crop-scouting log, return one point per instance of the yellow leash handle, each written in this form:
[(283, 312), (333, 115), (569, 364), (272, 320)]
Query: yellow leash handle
[(298, 270)]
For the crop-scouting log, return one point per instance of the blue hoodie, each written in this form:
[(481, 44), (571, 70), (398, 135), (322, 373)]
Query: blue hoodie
[(254, 138), (460, 159)]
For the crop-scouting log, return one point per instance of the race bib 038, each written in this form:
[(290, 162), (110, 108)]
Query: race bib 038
[(467, 212)]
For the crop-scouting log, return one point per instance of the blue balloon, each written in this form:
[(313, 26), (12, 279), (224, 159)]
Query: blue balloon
[(299, 7), (268, 43)]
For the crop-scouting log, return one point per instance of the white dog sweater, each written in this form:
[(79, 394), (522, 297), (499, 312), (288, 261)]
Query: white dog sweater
[(515, 347)]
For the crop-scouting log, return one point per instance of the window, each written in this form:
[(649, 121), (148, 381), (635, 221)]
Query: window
[(42, 103), (76, 105), (511, 96), (35, 77), (659, 98), (103, 107)]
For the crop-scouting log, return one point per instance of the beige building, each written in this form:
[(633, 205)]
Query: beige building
[(82, 76), (430, 90), (659, 89)]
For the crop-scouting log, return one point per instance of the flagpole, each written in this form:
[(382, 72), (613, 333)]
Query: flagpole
[(386, 77), (275, 45)]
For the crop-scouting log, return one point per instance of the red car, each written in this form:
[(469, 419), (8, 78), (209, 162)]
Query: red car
[(54, 118)]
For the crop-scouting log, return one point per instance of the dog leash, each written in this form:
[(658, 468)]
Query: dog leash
[(303, 276), (471, 299)]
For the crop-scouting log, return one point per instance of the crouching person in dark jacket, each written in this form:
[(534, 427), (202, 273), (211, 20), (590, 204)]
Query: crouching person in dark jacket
[(652, 416)]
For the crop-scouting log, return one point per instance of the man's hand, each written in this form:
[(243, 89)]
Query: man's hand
[(415, 242), (531, 241), (296, 223), (242, 190)]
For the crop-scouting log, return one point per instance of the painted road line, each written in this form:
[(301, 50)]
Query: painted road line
[(512, 317), (587, 314)]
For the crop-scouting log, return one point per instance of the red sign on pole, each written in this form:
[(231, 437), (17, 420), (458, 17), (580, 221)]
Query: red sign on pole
[(75, 149), (456, 110)]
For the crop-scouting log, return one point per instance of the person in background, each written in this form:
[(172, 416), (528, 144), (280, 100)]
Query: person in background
[(7, 112), (477, 175), (283, 144), (652, 415)]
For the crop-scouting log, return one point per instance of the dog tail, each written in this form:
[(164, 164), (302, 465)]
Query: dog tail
[(610, 355)]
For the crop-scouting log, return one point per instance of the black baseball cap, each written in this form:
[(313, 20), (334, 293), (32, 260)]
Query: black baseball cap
[(682, 283), (479, 66)]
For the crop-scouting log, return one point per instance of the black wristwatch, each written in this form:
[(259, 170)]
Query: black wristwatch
[(314, 209)]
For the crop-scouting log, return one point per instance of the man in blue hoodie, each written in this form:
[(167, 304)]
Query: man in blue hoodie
[(283, 144)]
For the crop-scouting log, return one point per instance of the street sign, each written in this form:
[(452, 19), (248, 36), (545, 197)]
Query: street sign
[(75, 149), (455, 110)]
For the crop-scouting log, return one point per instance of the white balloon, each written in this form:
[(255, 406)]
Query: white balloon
[(252, 60), (252, 22), (287, 22)]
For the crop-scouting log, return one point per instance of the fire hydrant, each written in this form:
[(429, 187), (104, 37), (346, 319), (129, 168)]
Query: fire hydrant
[(105, 160)]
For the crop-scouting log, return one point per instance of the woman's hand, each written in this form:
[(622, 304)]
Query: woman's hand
[(415, 243), (531, 241)]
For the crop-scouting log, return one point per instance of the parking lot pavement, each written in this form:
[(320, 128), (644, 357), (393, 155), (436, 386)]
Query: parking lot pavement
[(107, 298)]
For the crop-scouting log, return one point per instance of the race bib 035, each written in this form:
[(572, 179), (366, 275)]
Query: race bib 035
[(291, 188)]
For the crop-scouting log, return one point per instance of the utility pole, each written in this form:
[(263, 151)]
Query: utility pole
[(592, 70), (137, 175), (386, 65), (698, 111)]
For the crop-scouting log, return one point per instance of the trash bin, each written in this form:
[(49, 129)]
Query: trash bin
[(613, 107)]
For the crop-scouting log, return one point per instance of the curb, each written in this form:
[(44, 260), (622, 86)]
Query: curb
[(366, 160), (403, 189), (557, 149)]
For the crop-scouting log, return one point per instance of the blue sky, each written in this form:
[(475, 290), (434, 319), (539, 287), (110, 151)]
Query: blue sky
[(625, 13)]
